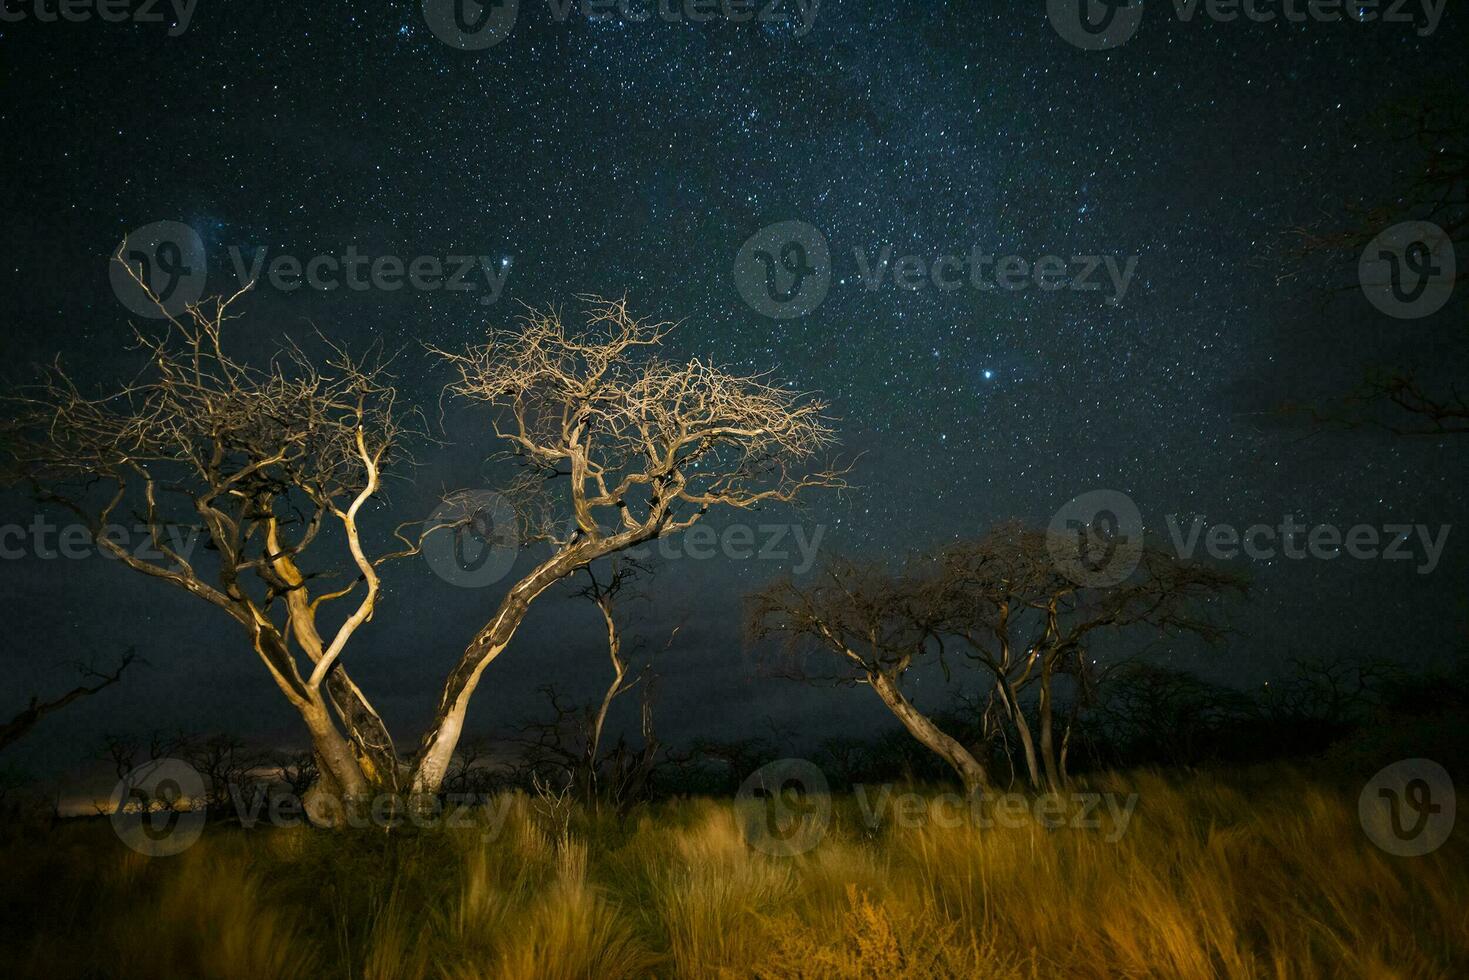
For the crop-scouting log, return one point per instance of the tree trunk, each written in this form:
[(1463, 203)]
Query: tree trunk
[(373, 746), (970, 772), (340, 782), (1022, 728), (437, 746), (1048, 747), (1071, 718), (341, 778), (369, 737), (599, 720)]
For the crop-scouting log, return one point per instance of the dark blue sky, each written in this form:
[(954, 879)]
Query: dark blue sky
[(637, 158)]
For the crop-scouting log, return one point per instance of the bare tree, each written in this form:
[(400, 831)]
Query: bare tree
[(128, 752), (623, 775), (1008, 602), (619, 446), (566, 746), (260, 460), (1427, 137), (273, 464), (878, 626), (93, 680), (1329, 691), (475, 768), (1154, 713), (605, 595), (1001, 602), (228, 768), (297, 770)]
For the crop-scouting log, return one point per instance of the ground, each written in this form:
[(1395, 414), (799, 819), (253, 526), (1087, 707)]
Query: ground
[(1246, 874)]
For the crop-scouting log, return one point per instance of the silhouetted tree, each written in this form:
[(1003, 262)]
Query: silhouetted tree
[(93, 680)]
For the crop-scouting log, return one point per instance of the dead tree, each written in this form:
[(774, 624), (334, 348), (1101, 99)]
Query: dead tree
[(92, 681), (262, 461), (619, 445), (229, 769), (1006, 601), (1427, 137), (475, 768), (605, 595), (628, 769), (296, 771), (566, 747), (877, 626), (128, 752)]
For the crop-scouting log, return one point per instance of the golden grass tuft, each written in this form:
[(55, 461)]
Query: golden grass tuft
[(1246, 877)]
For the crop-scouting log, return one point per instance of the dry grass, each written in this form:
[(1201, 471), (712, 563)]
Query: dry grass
[(1247, 877)]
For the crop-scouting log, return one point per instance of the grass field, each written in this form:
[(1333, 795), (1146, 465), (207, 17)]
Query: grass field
[(1252, 875)]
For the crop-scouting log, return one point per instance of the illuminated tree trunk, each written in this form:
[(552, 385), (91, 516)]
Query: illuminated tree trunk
[(436, 749), (945, 746)]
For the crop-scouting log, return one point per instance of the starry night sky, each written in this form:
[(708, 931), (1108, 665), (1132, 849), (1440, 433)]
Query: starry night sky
[(637, 158)]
